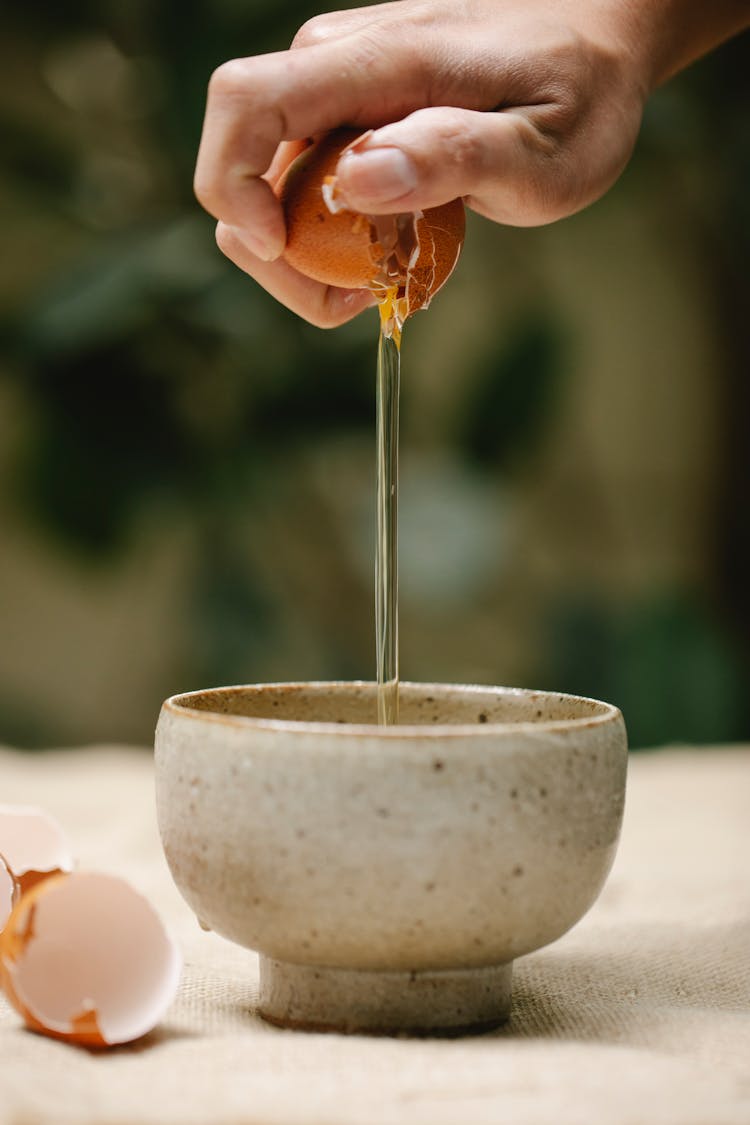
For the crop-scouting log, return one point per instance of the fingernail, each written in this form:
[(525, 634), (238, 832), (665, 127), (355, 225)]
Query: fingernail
[(361, 297), (378, 175), (266, 251)]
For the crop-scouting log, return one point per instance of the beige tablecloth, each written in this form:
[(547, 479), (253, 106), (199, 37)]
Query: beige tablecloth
[(639, 1016)]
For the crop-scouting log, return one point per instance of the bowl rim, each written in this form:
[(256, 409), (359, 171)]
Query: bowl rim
[(178, 706)]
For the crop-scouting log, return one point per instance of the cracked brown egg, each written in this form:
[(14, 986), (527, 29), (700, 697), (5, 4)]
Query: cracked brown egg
[(406, 257), (86, 959)]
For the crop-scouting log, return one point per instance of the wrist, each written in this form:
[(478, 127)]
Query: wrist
[(665, 36)]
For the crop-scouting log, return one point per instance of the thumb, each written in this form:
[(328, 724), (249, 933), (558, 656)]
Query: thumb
[(500, 163)]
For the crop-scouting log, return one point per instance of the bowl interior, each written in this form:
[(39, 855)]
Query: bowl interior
[(355, 703)]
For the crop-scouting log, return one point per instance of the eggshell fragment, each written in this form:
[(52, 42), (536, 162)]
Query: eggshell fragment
[(85, 958), (32, 844), (8, 893)]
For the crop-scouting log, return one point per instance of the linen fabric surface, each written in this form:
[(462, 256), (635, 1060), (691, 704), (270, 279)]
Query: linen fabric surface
[(640, 1015)]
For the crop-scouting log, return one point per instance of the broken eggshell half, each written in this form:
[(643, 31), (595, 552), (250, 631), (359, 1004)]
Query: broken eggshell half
[(85, 958), (33, 846)]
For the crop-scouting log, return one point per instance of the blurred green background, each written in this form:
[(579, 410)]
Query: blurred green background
[(186, 469)]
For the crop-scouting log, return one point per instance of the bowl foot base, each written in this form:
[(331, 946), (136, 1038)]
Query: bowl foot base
[(382, 1002)]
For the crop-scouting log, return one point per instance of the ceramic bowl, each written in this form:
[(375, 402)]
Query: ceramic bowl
[(388, 876)]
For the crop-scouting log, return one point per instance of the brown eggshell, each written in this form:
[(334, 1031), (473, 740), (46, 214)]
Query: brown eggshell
[(343, 248), (32, 844), (440, 236), (333, 248), (85, 958)]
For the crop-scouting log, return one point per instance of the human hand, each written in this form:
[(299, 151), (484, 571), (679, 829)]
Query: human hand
[(529, 111)]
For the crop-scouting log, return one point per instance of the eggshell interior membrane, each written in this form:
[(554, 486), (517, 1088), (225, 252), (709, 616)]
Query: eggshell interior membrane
[(412, 253), (7, 893), (86, 958), (32, 844)]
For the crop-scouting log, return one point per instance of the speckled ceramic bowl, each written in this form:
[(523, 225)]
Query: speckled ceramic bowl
[(389, 876)]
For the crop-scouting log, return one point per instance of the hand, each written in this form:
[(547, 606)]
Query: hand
[(528, 109)]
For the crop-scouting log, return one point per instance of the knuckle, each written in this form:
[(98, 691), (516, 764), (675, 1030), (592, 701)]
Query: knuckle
[(203, 190), (228, 79), (214, 190), (225, 239), (313, 31), (461, 142), (207, 190), (372, 50)]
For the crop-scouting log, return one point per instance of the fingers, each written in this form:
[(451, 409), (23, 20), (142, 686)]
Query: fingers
[(255, 104), (237, 146), (502, 163), (424, 79), (334, 25), (322, 305), (522, 167)]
